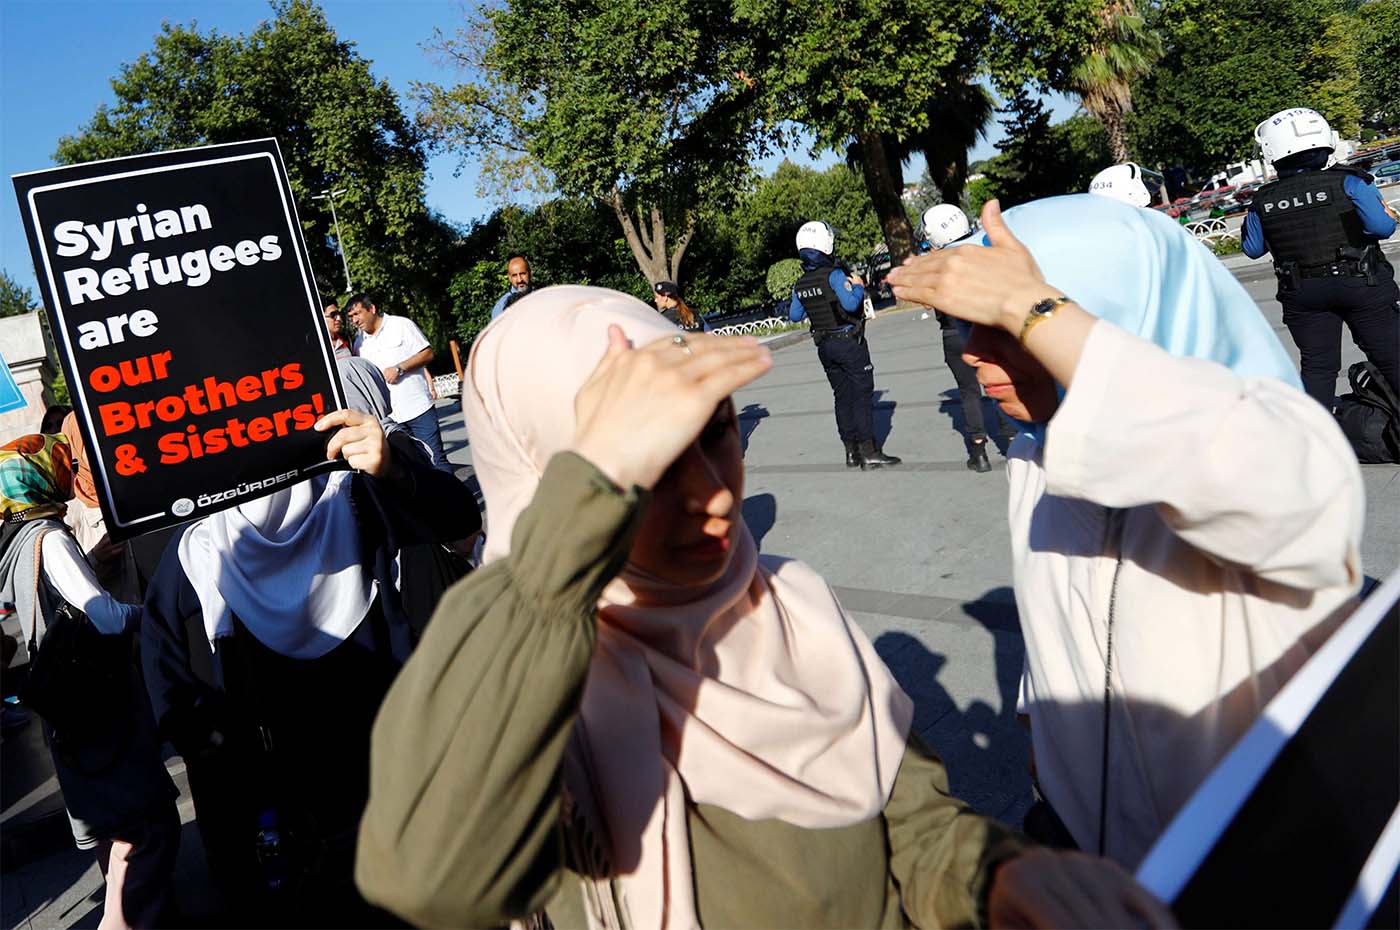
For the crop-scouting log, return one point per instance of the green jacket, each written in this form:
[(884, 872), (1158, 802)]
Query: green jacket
[(465, 825)]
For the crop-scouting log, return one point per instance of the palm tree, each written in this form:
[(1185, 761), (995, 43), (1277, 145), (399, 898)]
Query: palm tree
[(1126, 49), (958, 117), (959, 114)]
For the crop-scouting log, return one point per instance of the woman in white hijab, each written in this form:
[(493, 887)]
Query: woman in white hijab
[(628, 717), (270, 634), (1185, 522)]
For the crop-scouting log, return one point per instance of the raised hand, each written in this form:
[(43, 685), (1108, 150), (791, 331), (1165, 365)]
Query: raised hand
[(360, 441), (991, 286), (641, 408), (1044, 888)]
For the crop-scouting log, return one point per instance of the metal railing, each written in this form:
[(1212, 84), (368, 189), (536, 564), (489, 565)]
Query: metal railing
[(448, 385), (1212, 230), (753, 327)]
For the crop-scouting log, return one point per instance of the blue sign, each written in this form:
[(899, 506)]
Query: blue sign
[(10, 397)]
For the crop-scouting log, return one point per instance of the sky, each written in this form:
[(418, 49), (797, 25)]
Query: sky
[(57, 59)]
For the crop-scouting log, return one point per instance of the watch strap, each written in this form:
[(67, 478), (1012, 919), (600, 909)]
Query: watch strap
[(1039, 312)]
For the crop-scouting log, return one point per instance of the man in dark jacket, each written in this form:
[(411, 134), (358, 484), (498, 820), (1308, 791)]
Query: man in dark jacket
[(834, 301)]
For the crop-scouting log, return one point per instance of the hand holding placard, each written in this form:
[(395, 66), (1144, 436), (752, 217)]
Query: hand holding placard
[(182, 301)]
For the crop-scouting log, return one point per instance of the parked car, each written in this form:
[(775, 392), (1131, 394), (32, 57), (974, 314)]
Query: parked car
[(1387, 173)]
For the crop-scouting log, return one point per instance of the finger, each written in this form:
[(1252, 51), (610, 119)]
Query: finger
[(712, 355), (998, 233), (1025, 897), (725, 381), (928, 296), (342, 438), (618, 345), (363, 451), (342, 417)]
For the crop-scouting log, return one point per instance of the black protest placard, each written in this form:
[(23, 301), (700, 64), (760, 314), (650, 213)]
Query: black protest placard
[(184, 310)]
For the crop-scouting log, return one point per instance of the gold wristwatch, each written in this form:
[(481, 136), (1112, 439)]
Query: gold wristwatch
[(1042, 311)]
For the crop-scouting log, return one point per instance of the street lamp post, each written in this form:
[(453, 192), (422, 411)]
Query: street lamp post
[(339, 243)]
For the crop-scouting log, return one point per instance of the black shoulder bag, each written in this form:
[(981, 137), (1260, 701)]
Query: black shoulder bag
[(79, 679)]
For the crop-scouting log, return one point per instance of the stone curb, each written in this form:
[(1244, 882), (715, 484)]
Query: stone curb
[(783, 340)]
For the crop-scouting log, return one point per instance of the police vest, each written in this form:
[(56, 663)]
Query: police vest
[(1306, 218), (819, 300)]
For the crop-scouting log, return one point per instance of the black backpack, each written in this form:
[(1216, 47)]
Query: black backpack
[(1370, 416)]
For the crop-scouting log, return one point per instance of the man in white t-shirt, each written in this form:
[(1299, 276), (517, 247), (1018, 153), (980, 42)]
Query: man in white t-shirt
[(397, 346)]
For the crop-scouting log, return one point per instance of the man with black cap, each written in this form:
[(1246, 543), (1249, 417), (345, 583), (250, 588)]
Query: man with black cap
[(835, 302)]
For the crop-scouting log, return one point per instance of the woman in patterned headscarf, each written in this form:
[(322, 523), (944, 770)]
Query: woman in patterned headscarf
[(114, 563), (120, 800)]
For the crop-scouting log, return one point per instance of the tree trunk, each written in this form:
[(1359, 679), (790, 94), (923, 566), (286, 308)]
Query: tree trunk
[(646, 237), (951, 180), (1117, 133), (884, 181)]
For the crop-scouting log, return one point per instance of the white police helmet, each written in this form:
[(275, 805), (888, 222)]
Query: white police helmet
[(1289, 132), (1122, 182), (945, 223), (816, 235)]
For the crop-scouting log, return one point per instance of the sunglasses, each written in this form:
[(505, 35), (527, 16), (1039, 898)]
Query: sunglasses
[(335, 316)]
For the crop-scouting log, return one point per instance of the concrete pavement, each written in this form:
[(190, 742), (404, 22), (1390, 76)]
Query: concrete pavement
[(919, 555)]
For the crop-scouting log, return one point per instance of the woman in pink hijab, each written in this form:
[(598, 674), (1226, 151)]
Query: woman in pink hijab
[(630, 718)]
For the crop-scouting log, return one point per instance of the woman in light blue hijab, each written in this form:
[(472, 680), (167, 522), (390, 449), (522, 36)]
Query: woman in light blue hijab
[(1185, 521)]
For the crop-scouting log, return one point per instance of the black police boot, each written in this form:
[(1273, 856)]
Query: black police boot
[(872, 456), (852, 455), (977, 457)]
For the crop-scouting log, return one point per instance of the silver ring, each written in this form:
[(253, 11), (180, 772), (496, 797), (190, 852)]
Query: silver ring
[(679, 342)]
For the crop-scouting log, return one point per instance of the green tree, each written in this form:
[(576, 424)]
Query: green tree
[(1377, 30), (1228, 64), (643, 105), (958, 117), (863, 78), (735, 248), (15, 298), (567, 241), (1037, 159), (1125, 49), (338, 127)]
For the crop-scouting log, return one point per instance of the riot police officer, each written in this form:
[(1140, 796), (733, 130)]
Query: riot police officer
[(944, 224), (1128, 182), (833, 300), (1323, 224)]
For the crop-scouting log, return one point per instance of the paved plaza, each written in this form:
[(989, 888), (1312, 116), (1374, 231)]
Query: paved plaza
[(919, 554)]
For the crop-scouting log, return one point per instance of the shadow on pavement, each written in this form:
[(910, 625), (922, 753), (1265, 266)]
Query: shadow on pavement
[(1000, 428), (884, 417), (985, 749), (760, 513), (748, 422)]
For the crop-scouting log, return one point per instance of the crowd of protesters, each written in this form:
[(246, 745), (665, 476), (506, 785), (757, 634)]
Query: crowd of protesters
[(626, 715)]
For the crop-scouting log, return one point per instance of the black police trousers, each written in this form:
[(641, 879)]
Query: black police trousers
[(968, 388), (1314, 314), (852, 376)]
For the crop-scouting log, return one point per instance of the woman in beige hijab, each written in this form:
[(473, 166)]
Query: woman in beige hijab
[(629, 718)]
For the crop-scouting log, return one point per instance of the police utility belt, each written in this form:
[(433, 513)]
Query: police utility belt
[(1351, 263), (822, 335)]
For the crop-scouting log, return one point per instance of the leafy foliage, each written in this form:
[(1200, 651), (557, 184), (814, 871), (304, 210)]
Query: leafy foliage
[(782, 277), (1125, 49), (1227, 64), (1040, 160), (1377, 29), (15, 298), (642, 104), (337, 126), (735, 248)]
